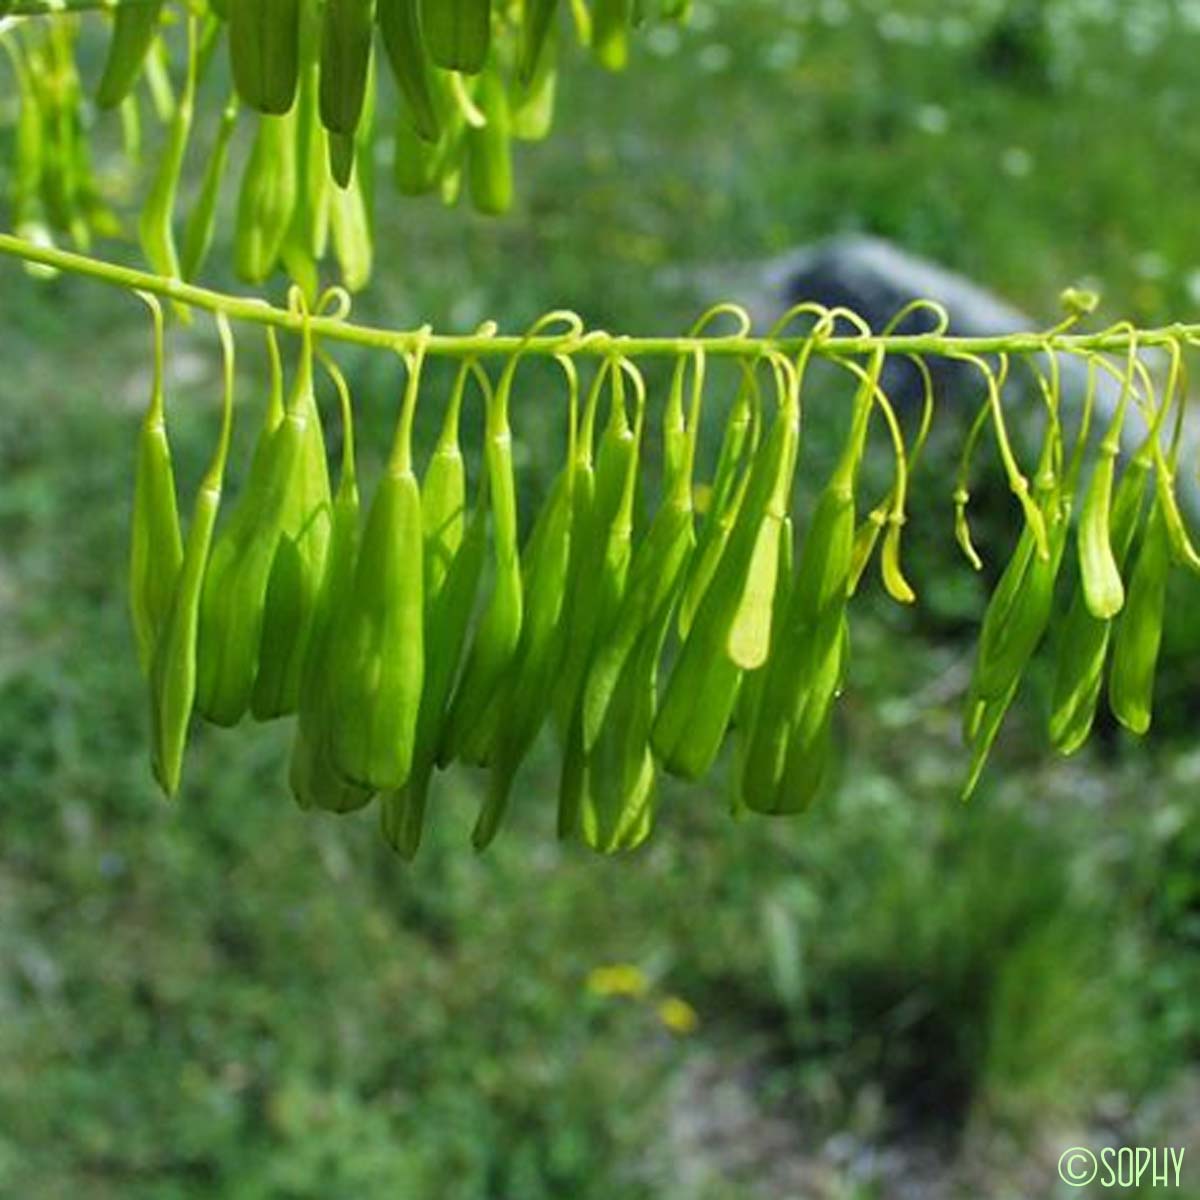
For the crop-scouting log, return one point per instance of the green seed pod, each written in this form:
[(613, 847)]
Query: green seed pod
[(1084, 639), (521, 705), (314, 781), (489, 149), (351, 224), (400, 27), (813, 626), (447, 621), (267, 199), (156, 545), (733, 619), (134, 28), (619, 787), (458, 33), (173, 670), (728, 490), (601, 549), (1098, 570), (155, 223), (264, 52), (537, 25), (235, 584), (499, 631), (345, 63), (298, 567), (810, 749), (531, 106), (611, 22), (1139, 629), (201, 222), (378, 637)]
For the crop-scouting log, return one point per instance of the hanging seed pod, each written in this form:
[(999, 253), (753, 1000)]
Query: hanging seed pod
[(351, 227), (489, 149), (738, 444), (312, 777), (378, 637), (134, 28), (264, 52), (298, 567), (604, 502), (173, 670), (403, 40), (345, 62), (813, 627), (531, 103), (1139, 629), (537, 24), (499, 631), (267, 198), (611, 22), (458, 33), (523, 703), (235, 586), (455, 551), (734, 616), (1084, 639), (156, 545), (619, 786), (201, 222), (155, 223), (307, 237)]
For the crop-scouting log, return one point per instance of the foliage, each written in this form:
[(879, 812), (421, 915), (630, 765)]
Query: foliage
[(217, 998)]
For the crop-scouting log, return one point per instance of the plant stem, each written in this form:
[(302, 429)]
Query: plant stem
[(595, 343)]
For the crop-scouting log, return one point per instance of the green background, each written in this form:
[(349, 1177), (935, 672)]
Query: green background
[(896, 995)]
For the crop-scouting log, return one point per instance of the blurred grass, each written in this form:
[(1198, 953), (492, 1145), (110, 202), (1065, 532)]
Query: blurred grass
[(224, 997)]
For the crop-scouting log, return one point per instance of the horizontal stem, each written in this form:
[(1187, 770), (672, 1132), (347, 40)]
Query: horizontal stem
[(594, 342)]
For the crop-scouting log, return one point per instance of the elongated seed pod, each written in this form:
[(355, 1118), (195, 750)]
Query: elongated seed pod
[(537, 22), (734, 616), (403, 40), (1084, 639), (267, 198), (611, 21), (235, 584), (728, 489), (173, 670), (489, 149), (813, 624), (447, 622), (619, 786), (499, 631), (458, 33), (134, 28), (522, 705), (531, 105), (314, 781), (351, 225), (155, 229), (601, 548), (202, 220), (298, 567), (156, 544), (1098, 570), (378, 637), (264, 52), (1139, 629), (345, 61)]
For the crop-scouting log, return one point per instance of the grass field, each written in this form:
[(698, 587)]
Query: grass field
[(896, 996)]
